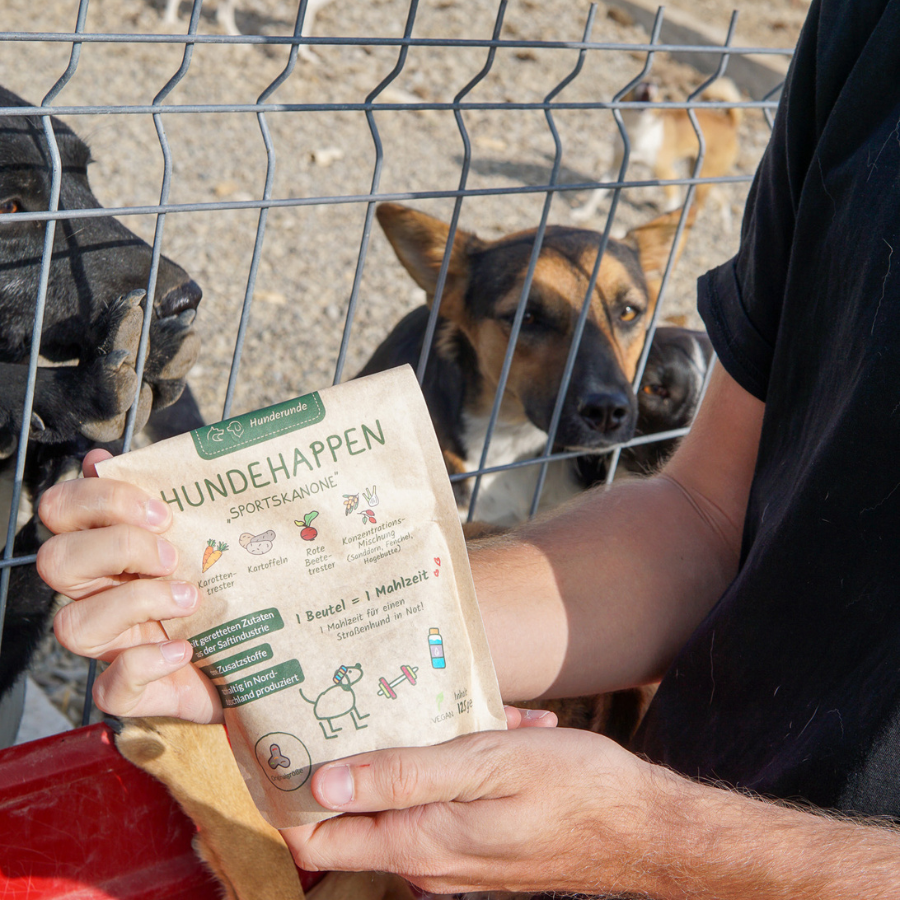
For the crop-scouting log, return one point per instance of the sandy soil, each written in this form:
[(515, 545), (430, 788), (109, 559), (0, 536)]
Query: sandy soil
[(310, 253)]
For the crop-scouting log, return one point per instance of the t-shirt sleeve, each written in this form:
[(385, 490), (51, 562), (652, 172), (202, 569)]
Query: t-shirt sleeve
[(740, 302)]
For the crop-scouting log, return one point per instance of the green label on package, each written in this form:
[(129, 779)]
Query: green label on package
[(237, 631), (232, 664), (268, 681), (213, 441)]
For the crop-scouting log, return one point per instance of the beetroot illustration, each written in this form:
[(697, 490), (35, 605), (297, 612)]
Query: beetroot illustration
[(308, 533)]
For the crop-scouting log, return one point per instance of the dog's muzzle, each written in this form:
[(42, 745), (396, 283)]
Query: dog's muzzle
[(606, 413)]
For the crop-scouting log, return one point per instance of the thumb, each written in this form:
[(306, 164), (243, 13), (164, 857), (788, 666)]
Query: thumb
[(463, 769)]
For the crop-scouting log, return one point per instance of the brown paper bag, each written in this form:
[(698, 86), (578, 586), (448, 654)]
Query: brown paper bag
[(337, 608)]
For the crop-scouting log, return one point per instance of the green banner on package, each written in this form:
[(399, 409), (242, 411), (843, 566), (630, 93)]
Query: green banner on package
[(269, 681), (237, 631), (213, 441), (232, 664)]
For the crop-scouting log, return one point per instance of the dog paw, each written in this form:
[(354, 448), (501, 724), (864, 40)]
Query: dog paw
[(107, 375), (174, 348), (118, 328), (93, 397), (111, 428)]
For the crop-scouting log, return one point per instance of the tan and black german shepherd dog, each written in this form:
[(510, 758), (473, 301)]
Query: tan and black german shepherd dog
[(482, 291), (483, 288)]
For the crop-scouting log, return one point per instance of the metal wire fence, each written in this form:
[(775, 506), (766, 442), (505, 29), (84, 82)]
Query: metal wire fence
[(373, 106)]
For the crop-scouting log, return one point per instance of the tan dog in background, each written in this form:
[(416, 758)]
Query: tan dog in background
[(665, 142)]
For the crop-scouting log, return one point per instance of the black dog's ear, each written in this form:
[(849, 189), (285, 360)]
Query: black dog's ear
[(420, 240)]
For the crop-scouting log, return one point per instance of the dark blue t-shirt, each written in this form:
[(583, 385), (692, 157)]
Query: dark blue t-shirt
[(791, 686)]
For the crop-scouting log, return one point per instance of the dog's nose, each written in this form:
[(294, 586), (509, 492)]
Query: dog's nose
[(178, 299), (605, 412)]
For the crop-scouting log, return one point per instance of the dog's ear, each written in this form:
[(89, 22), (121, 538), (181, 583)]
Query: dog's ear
[(653, 242), (420, 240)]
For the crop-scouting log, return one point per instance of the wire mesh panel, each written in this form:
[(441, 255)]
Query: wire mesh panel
[(256, 162)]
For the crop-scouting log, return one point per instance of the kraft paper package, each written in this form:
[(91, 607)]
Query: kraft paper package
[(337, 610)]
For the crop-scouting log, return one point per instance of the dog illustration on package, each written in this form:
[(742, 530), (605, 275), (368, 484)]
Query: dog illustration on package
[(338, 700)]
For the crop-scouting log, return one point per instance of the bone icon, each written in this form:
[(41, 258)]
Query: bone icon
[(386, 688), (276, 759)]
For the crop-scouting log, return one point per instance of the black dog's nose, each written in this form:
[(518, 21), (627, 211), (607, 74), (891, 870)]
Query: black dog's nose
[(605, 412), (178, 299)]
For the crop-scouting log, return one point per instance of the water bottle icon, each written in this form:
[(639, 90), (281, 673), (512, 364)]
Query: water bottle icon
[(436, 645)]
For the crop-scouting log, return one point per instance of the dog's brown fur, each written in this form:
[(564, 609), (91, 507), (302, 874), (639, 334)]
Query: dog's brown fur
[(246, 854), (680, 144)]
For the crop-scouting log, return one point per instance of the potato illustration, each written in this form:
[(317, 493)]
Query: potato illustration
[(257, 544)]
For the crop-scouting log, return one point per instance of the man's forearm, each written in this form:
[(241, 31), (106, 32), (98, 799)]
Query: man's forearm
[(709, 843), (603, 595)]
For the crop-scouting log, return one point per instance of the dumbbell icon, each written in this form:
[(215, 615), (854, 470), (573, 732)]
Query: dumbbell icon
[(386, 688)]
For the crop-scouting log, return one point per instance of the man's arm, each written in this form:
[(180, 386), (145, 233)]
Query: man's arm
[(729, 846), (602, 595), (547, 809)]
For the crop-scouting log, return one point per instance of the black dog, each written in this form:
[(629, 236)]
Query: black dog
[(669, 393), (92, 322)]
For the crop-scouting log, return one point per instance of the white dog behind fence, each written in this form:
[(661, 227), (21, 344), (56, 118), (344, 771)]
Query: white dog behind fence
[(225, 18)]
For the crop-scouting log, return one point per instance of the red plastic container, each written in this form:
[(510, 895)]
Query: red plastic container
[(79, 821)]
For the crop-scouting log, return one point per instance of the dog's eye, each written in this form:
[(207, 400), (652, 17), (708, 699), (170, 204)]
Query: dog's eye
[(9, 206), (528, 319), (629, 313), (656, 390)]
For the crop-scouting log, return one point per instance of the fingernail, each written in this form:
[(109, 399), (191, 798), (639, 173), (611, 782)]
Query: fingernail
[(173, 651), (534, 714), (168, 555), (183, 593), (155, 512), (336, 786)]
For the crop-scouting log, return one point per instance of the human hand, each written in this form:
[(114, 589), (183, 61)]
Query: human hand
[(534, 809), (107, 556)]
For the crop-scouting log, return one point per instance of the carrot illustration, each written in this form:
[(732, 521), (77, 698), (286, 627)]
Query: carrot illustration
[(211, 554)]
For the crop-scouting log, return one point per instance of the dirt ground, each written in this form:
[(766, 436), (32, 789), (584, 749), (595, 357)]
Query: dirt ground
[(310, 253)]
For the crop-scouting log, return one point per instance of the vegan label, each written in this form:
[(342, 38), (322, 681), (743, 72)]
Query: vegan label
[(268, 681), (237, 631)]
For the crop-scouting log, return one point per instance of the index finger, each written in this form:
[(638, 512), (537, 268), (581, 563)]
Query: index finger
[(97, 502), (91, 458)]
